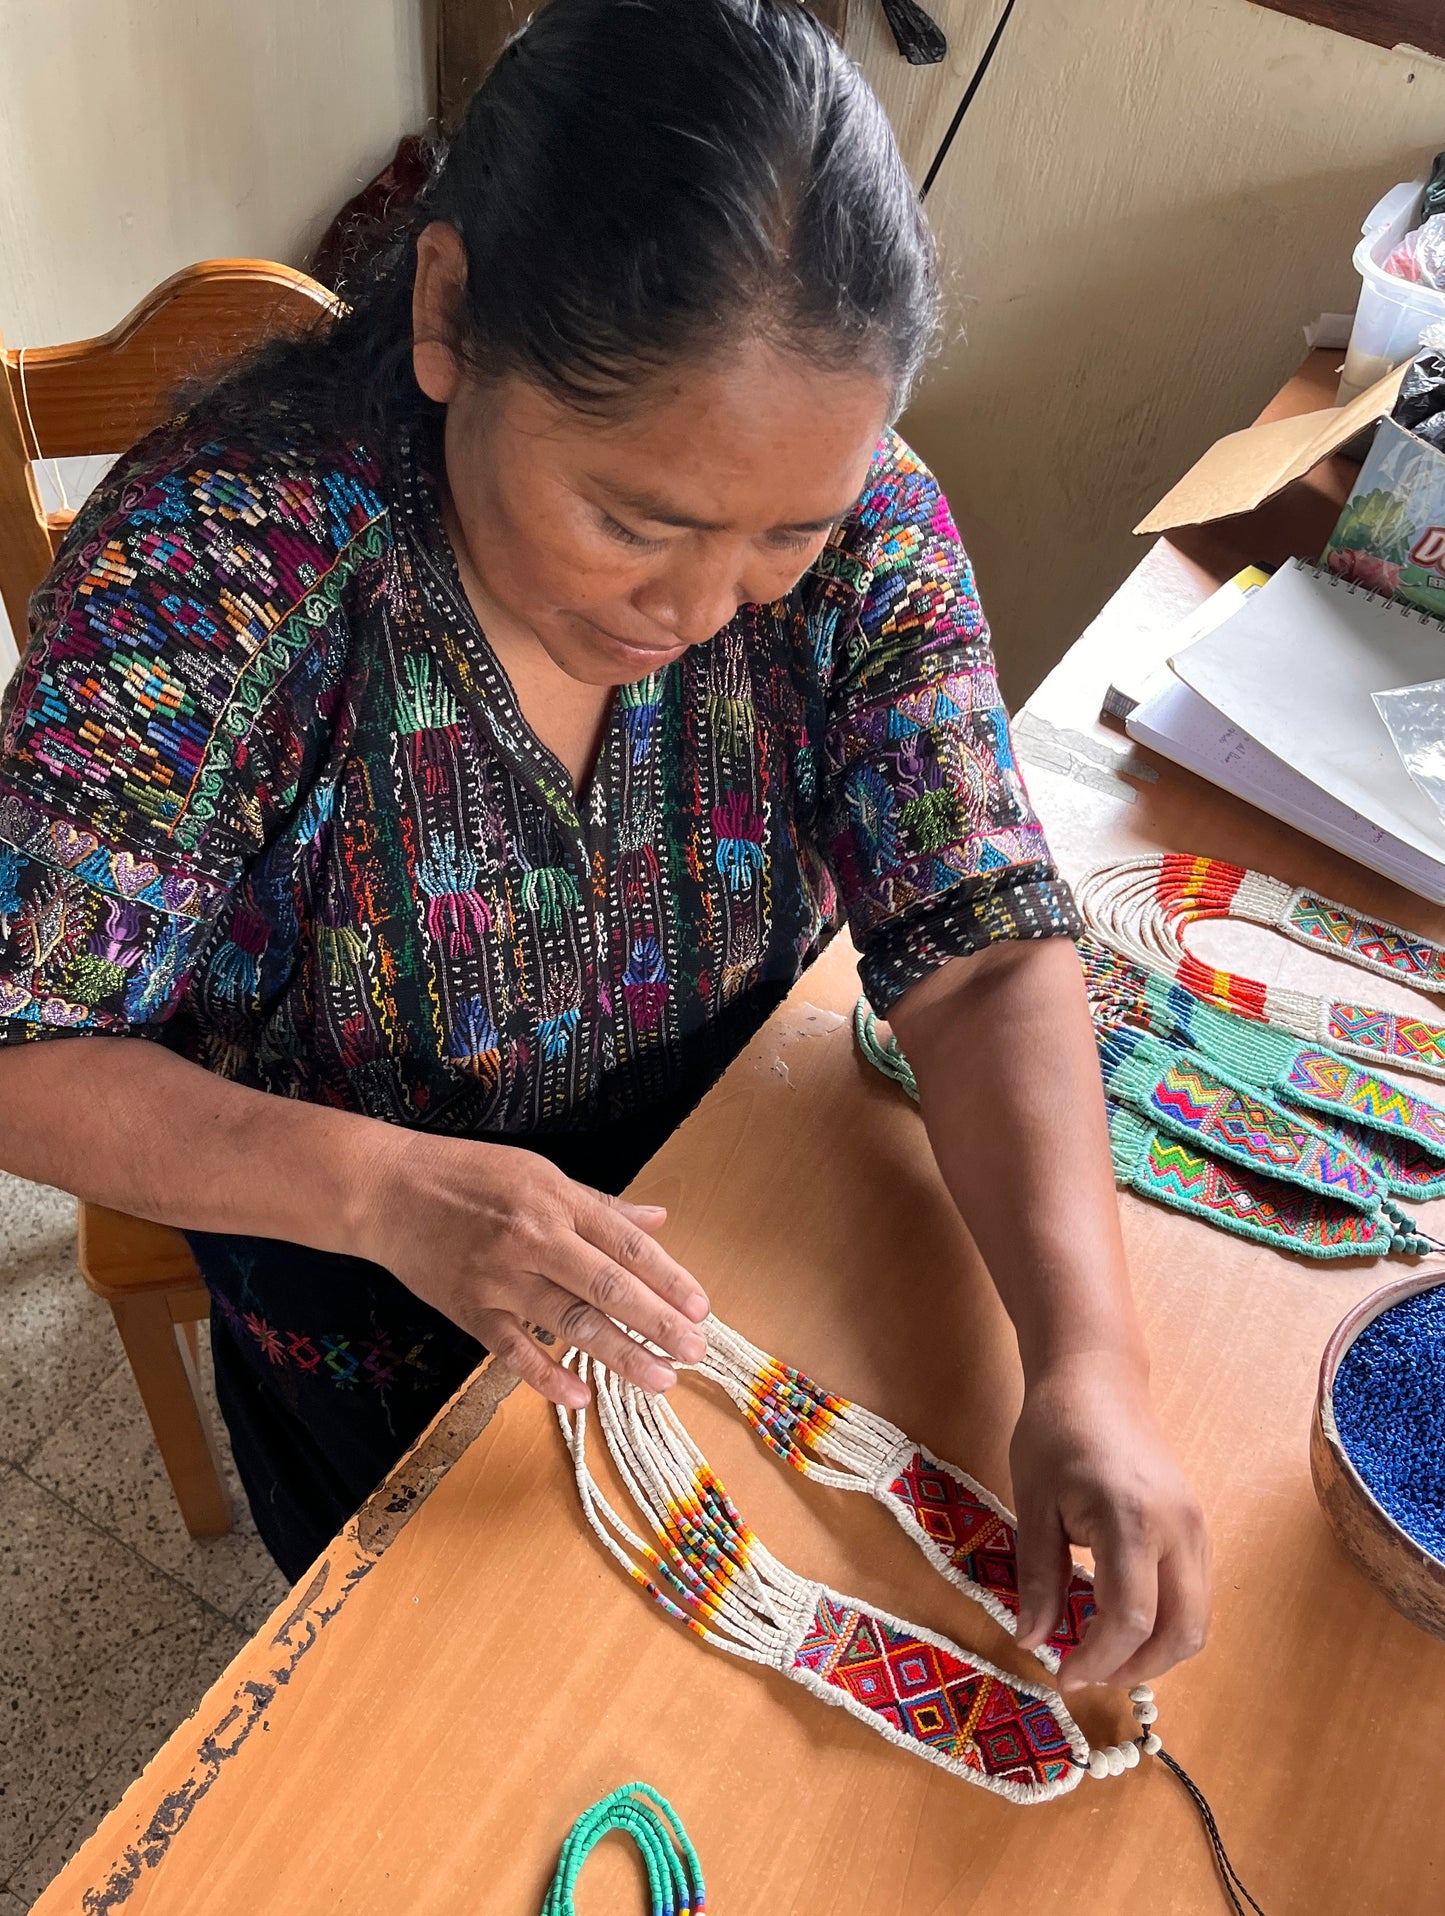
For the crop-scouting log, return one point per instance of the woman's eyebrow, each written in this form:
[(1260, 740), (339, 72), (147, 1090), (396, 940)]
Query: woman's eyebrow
[(658, 512)]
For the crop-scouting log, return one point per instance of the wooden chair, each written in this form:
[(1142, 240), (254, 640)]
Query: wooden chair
[(100, 396)]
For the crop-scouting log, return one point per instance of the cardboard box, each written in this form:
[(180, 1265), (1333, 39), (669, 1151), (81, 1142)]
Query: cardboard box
[(1243, 470), (1390, 536)]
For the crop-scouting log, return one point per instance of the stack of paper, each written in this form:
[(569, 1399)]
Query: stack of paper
[(1276, 705)]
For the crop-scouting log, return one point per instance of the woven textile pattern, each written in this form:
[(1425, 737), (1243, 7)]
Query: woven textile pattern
[(709, 1570), (1400, 1137), (980, 1543), (265, 793), (1362, 1095), (1259, 1207), (1191, 1097), (1140, 907), (1321, 921), (935, 1698), (1409, 1042)]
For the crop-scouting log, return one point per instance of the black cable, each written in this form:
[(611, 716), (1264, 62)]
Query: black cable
[(1227, 1873), (967, 101)]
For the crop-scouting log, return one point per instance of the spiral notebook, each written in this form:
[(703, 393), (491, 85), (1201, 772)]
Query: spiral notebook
[(1275, 705)]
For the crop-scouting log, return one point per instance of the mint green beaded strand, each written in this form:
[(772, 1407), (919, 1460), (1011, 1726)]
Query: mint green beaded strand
[(674, 1874)]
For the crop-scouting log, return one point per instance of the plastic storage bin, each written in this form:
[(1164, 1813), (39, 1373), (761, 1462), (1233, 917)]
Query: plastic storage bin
[(1392, 314)]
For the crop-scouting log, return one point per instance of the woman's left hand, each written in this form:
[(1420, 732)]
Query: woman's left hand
[(1091, 1467)]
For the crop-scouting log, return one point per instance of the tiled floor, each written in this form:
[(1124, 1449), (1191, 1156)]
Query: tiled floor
[(112, 1621)]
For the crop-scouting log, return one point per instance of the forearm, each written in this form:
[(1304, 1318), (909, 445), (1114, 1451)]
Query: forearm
[(1008, 1079), (126, 1123)]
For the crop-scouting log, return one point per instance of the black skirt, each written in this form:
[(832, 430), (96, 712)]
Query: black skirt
[(328, 1368)]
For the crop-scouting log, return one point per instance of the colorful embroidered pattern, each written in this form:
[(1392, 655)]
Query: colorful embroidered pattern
[(712, 1573), (346, 1361), (1321, 921), (935, 1698), (1191, 1098), (979, 1542), (1139, 907), (1335, 1082), (265, 792), (1409, 1042), (1399, 1136), (1259, 1207)]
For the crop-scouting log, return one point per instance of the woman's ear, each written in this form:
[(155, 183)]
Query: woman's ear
[(440, 287)]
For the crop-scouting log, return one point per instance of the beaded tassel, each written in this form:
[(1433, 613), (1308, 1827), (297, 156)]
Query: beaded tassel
[(707, 1569), (1139, 907), (964, 1531), (1399, 1136), (1191, 1178)]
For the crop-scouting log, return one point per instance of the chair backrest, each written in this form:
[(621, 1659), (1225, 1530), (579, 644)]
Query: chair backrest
[(101, 395)]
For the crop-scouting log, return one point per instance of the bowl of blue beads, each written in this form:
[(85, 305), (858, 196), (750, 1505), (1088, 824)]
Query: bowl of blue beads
[(1377, 1445)]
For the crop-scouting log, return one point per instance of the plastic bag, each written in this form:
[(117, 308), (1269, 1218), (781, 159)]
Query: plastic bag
[(1414, 716), (1420, 256), (1433, 199), (1421, 404)]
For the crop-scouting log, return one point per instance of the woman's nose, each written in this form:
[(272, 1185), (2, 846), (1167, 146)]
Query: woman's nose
[(693, 601)]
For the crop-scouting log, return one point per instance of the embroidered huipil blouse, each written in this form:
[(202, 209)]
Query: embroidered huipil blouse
[(267, 797)]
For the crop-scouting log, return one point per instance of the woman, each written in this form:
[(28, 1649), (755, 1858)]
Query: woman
[(449, 740)]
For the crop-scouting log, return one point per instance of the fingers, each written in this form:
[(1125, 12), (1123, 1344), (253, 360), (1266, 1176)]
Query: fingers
[(1181, 1622), (609, 1223), (508, 1339), (1126, 1591), (577, 1322), (595, 1288), (1044, 1568)]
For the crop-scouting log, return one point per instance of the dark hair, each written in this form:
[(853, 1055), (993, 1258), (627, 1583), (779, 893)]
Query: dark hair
[(637, 182)]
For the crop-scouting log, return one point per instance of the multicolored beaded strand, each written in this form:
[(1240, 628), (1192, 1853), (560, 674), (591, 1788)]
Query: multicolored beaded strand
[(1139, 907), (674, 1874), (707, 1569)]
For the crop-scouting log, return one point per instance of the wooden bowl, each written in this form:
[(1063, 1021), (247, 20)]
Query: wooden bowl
[(1400, 1569)]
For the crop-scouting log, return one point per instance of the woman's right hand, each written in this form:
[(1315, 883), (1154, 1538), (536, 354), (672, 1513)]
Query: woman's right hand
[(499, 1241)]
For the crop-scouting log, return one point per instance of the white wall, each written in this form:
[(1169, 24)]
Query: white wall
[(137, 136), (1143, 207)]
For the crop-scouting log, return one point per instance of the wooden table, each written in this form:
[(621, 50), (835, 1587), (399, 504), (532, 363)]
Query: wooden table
[(415, 1729)]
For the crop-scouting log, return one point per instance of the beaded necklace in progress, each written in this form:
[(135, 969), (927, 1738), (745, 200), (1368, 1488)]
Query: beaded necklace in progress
[(1400, 1136), (1139, 907), (705, 1567), (1185, 1136)]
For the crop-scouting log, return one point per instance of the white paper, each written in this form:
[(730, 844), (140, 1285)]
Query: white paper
[(1177, 723), (1297, 667)]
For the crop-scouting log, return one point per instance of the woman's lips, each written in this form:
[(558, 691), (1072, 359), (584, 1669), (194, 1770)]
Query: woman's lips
[(632, 650)]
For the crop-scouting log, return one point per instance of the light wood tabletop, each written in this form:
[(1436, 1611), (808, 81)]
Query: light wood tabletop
[(416, 1728)]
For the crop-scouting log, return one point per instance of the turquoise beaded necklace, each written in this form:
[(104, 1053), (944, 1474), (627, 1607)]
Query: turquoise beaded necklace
[(674, 1874), (1190, 1135)]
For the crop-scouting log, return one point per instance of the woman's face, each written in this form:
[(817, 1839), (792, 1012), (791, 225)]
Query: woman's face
[(617, 544)]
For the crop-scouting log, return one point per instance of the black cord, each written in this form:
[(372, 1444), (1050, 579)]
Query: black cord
[(1227, 1873), (967, 101)]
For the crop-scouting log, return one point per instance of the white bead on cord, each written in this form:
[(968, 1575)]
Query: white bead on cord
[(1115, 1758)]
